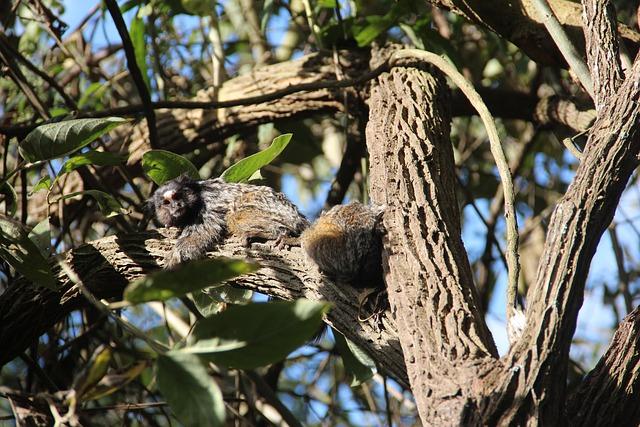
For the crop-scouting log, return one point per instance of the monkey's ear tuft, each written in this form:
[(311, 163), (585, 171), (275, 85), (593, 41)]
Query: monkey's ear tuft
[(183, 178)]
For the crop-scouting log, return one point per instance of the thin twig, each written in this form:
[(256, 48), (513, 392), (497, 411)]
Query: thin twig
[(156, 346), (565, 45), (69, 102), (271, 398), (136, 74), (136, 109), (217, 56), (312, 27)]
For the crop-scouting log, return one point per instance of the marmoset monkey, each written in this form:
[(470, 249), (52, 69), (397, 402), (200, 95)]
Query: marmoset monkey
[(207, 211), (346, 244)]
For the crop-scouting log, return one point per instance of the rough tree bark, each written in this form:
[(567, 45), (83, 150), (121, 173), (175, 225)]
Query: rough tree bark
[(519, 23), (428, 276), (454, 372), (107, 265)]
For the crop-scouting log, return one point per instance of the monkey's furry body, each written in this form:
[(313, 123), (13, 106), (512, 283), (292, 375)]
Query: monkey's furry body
[(207, 211), (346, 244)]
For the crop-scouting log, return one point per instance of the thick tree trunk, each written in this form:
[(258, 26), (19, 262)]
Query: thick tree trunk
[(451, 362), (427, 272)]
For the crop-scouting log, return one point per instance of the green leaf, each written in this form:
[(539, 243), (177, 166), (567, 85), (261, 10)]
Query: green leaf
[(330, 4), (40, 235), (188, 277), (356, 362), (199, 7), (95, 369), (113, 382), (43, 184), (376, 25), (213, 300), (93, 157), (162, 166), (108, 205), (191, 393), (242, 171), (54, 140), (136, 31), (206, 305), (268, 9), (10, 198), (97, 88), (22, 254), (248, 336)]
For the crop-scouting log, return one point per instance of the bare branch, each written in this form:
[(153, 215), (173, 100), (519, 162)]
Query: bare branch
[(608, 394), (134, 69)]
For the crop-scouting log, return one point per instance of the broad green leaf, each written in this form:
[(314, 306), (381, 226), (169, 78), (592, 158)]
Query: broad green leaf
[(329, 4), (191, 393), (54, 140), (376, 25), (207, 305), (162, 166), (248, 336), (41, 236), (98, 158), (108, 205), (136, 31), (245, 168), (214, 299), (22, 254), (188, 277), (58, 112), (356, 362), (43, 184), (95, 369), (10, 198), (199, 7)]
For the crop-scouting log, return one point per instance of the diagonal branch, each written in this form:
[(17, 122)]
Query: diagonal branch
[(108, 264), (603, 54), (608, 394), (134, 69), (578, 222)]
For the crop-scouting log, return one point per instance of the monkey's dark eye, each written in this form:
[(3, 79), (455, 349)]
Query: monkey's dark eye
[(166, 201)]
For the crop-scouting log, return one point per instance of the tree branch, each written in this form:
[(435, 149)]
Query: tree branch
[(535, 380), (428, 277), (608, 394), (603, 53), (134, 69), (519, 23), (107, 265)]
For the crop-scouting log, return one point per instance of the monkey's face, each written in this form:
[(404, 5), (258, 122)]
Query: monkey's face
[(176, 204)]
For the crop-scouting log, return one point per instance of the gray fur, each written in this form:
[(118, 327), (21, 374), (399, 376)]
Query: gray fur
[(208, 211)]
